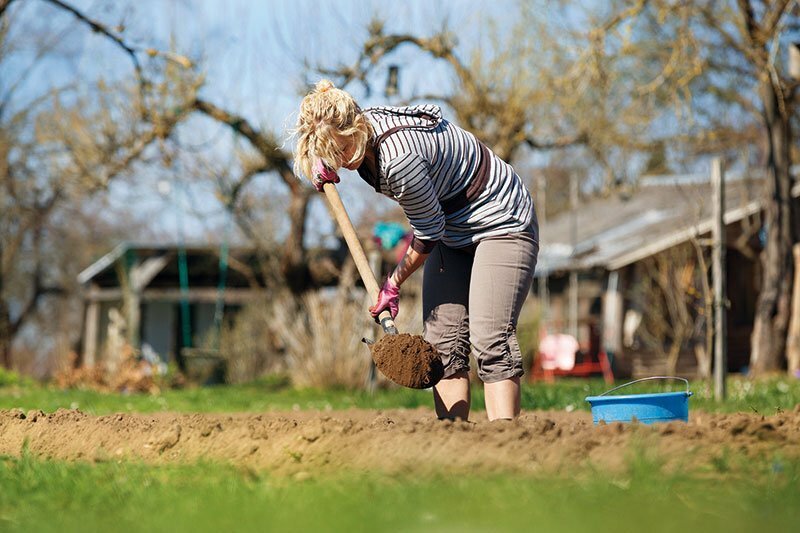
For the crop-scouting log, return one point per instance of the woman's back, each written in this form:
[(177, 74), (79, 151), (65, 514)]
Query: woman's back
[(426, 163)]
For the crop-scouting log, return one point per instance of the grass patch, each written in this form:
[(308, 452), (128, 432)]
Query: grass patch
[(55, 496), (765, 397)]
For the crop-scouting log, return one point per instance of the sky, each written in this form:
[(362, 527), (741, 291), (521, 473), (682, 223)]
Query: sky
[(255, 56)]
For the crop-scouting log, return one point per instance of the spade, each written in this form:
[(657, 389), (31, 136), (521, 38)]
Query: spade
[(407, 360)]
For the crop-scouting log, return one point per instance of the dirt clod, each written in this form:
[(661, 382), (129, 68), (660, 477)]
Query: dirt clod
[(167, 439), (408, 360), (34, 415)]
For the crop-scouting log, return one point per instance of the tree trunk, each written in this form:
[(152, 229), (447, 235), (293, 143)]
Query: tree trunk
[(5, 323), (703, 358), (5, 335), (793, 338), (5, 351), (673, 355), (293, 263), (768, 343)]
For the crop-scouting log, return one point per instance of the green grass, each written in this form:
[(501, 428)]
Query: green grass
[(252, 398), (53, 496), (732, 494), (764, 397)]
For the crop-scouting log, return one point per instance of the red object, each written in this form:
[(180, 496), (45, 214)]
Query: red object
[(590, 360), (402, 246)]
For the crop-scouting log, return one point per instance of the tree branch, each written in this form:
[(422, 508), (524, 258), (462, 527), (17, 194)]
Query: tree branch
[(4, 5), (131, 51), (379, 45), (752, 30), (275, 159), (561, 142), (100, 28), (773, 18), (39, 288), (756, 55), (246, 177)]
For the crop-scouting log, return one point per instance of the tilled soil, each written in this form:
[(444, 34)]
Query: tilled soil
[(306, 443)]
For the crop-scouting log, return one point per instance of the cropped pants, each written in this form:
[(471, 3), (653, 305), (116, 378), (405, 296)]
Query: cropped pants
[(473, 296)]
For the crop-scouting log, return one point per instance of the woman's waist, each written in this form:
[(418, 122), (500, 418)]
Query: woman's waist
[(457, 235)]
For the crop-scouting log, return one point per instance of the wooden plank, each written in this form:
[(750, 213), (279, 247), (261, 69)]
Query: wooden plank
[(198, 295), (143, 274)]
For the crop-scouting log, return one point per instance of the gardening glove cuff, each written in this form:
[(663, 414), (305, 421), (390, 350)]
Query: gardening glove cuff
[(322, 174)]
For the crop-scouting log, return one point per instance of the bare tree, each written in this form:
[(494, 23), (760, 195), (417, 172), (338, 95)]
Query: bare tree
[(675, 294), (271, 158), (493, 95), (723, 63), (59, 149)]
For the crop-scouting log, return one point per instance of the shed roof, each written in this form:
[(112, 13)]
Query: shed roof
[(664, 211), (203, 260)]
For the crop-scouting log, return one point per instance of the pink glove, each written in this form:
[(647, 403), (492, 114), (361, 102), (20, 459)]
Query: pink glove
[(322, 174), (389, 297)]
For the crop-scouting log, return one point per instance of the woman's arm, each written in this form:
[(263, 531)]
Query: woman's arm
[(389, 295), (407, 266)]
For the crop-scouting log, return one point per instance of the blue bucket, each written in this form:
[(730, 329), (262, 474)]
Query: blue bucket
[(646, 408)]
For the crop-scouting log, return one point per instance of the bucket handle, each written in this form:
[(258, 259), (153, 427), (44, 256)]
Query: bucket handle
[(648, 379)]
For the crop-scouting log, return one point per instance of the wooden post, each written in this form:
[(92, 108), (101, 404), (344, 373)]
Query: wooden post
[(131, 298), (90, 334), (541, 199), (718, 273), (793, 338), (573, 275)]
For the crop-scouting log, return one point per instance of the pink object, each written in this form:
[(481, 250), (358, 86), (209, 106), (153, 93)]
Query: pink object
[(558, 351), (322, 174), (388, 297), (403, 245)]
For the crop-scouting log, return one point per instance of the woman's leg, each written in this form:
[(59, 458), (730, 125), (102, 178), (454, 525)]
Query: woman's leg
[(502, 274), (502, 399), (445, 299), (451, 396)]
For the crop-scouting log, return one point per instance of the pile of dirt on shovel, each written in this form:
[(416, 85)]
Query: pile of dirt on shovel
[(408, 360)]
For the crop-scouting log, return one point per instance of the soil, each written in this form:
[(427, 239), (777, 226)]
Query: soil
[(408, 360), (413, 442)]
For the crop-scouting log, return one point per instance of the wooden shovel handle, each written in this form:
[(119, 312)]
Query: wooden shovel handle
[(357, 252)]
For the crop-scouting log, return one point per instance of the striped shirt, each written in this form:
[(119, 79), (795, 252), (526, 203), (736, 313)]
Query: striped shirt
[(429, 161)]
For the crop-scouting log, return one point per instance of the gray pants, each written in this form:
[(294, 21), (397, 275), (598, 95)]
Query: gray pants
[(474, 296)]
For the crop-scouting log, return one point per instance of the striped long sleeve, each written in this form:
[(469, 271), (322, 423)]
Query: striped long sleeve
[(425, 161), (410, 184)]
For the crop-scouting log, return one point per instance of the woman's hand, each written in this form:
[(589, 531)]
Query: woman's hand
[(322, 174), (389, 295), (388, 298)]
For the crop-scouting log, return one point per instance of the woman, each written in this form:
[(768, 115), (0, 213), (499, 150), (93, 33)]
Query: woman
[(474, 225)]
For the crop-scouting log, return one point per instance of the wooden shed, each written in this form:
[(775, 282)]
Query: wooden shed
[(592, 260), (162, 298)]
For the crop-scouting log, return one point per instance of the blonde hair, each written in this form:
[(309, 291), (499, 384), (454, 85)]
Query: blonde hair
[(329, 117)]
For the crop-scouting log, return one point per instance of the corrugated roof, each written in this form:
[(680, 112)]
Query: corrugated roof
[(664, 211)]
